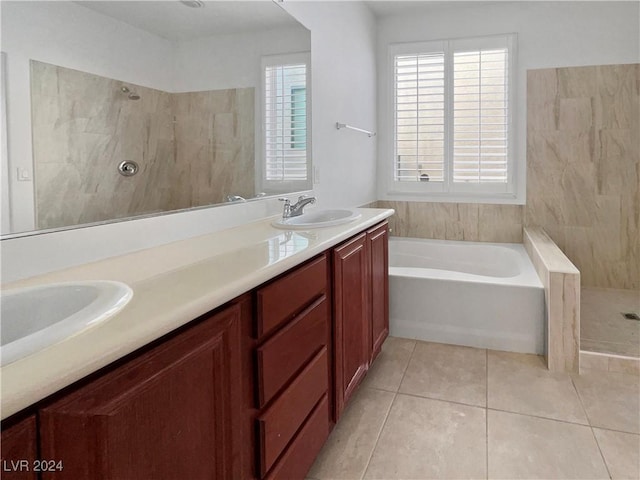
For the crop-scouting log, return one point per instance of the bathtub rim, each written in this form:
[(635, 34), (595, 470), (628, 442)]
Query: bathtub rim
[(527, 278)]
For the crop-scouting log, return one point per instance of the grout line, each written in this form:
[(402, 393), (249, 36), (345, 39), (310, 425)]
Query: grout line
[(395, 395), (406, 367), (441, 400), (486, 411), (591, 427), (375, 445), (540, 417)]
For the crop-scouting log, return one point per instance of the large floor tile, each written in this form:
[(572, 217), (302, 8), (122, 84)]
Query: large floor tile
[(522, 384), (612, 400), (621, 453), (429, 439), (527, 447), (387, 370), (349, 447), (447, 372)]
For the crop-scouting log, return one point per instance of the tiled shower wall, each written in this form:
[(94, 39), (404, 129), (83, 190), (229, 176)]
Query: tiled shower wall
[(583, 177), (583, 168), (193, 148)]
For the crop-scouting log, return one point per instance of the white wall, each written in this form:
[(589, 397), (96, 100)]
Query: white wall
[(233, 60), (550, 34), (343, 79)]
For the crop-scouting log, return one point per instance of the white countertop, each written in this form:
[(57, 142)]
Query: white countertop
[(172, 285)]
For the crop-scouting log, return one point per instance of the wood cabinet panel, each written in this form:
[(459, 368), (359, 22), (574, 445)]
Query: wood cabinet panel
[(282, 299), (378, 247), (170, 413), (279, 423), (351, 318), (291, 348), (302, 452), (20, 450)]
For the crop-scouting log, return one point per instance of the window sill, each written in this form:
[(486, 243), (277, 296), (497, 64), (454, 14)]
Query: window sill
[(495, 198)]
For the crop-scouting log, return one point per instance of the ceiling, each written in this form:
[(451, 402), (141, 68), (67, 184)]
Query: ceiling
[(401, 7), (174, 21)]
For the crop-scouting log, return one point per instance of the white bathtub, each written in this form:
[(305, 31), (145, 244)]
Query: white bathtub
[(484, 295)]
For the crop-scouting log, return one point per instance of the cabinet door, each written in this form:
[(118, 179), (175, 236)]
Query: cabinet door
[(170, 413), (378, 247), (19, 450), (351, 317)]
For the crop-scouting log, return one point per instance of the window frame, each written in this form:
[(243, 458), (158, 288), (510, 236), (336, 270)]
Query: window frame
[(279, 186), (448, 190)]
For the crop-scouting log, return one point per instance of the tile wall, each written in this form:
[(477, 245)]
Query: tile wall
[(193, 148), (583, 168), (583, 177), (474, 222)]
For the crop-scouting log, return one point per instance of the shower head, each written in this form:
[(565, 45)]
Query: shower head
[(130, 95)]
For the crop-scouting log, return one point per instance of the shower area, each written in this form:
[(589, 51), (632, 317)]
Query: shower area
[(106, 149), (583, 188)]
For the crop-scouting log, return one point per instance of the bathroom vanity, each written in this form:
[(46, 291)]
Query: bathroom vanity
[(250, 389)]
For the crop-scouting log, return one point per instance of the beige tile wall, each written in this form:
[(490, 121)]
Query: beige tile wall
[(561, 280), (456, 221), (583, 177), (193, 148), (583, 168)]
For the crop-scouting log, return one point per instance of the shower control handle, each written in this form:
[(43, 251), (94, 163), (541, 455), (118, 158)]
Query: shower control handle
[(128, 168)]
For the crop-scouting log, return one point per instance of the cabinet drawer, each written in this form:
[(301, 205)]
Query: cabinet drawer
[(291, 348), (302, 452), (282, 299), (282, 420)]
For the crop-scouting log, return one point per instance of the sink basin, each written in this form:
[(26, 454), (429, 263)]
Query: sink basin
[(34, 318), (317, 219)]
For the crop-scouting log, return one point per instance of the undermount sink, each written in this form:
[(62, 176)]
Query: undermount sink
[(36, 317), (317, 219)]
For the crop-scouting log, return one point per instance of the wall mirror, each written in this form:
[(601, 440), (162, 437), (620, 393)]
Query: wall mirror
[(116, 110)]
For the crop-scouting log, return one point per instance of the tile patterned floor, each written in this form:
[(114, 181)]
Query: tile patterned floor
[(433, 411), (602, 326)]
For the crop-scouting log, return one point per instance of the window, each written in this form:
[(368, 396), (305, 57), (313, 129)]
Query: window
[(285, 121), (452, 109)]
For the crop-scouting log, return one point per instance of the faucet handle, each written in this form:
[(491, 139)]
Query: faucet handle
[(286, 211)]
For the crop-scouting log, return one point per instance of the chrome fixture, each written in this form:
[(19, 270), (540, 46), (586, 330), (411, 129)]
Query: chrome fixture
[(235, 198), (128, 168), (130, 95), (192, 3), (296, 209), (349, 127)]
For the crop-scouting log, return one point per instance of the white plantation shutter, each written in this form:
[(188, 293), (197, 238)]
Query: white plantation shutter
[(285, 127), (452, 114), (480, 116), (419, 117)]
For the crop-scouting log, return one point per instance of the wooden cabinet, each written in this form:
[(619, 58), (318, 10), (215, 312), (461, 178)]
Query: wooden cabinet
[(293, 349), (361, 308), (20, 450), (247, 391), (169, 413), (378, 247), (350, 317)]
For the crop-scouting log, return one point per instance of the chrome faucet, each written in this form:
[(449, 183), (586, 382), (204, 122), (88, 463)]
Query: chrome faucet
[(296, 209), (235, 198)]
